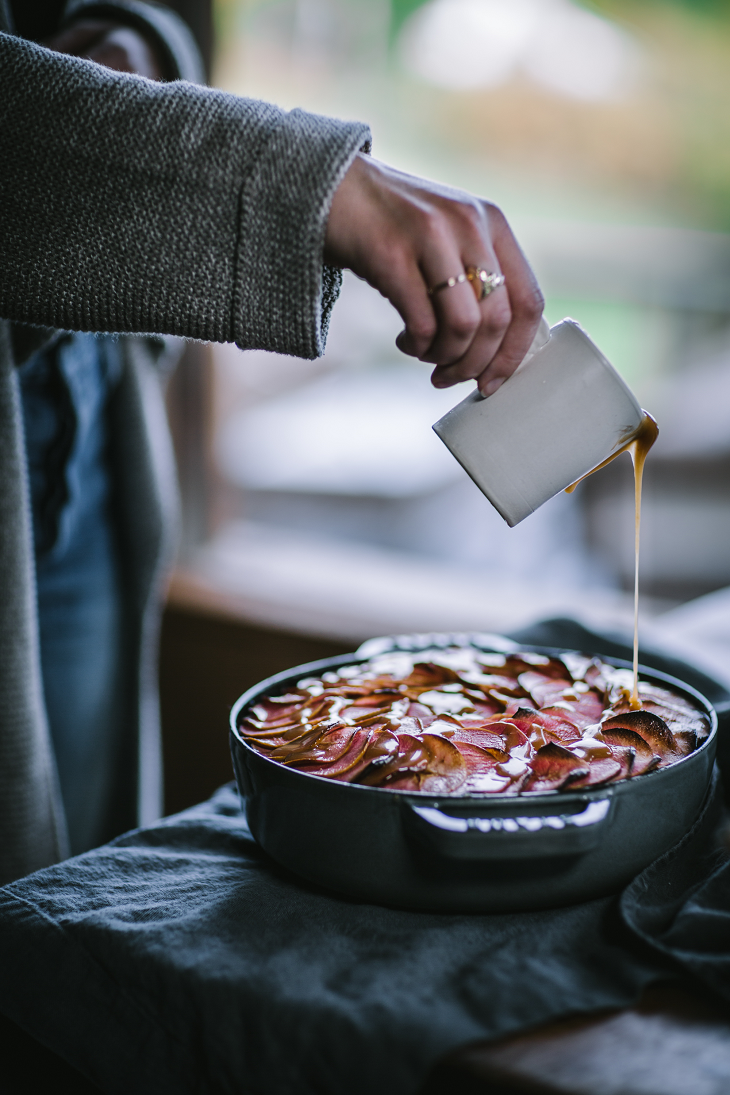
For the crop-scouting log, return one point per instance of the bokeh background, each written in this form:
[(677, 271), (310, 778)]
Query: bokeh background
[(603, 133), (320, 508)]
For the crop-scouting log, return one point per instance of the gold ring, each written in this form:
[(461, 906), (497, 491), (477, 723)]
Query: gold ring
[(482, 281), (449, 283)]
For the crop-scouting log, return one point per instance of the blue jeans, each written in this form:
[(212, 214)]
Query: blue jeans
[(65, 391)]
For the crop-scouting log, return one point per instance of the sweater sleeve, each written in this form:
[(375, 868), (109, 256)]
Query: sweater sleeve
[(132, 206)]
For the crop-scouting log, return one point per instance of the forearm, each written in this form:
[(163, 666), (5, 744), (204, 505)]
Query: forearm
[(138, 207)]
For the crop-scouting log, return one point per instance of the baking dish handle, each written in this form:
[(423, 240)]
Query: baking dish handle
[(485, 838)]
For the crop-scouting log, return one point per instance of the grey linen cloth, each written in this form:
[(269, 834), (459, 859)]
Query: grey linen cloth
[(180, 959)]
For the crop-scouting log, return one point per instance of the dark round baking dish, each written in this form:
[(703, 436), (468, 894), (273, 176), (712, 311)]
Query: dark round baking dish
[(475, 853)]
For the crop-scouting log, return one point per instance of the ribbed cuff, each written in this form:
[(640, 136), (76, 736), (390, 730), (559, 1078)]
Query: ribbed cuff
[(178, 50), (283, 292)]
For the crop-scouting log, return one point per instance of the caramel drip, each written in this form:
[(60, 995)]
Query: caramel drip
[(638, 446)]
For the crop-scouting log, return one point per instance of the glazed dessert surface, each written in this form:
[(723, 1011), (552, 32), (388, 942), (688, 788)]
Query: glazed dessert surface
[(461, 721)]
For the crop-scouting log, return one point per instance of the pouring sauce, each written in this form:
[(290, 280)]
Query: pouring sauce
[(638, 446)]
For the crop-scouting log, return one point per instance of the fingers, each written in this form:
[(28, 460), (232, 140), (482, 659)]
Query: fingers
[(509, 315), (467, 333), (406, 236), (474, 340), (494, 317), (526, 305), (455, 307)]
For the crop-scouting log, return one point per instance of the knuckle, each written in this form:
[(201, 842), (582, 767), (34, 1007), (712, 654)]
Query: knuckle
[(432, 222), (497, 319), (469, 213), (533, 304), (463, 327), (494, 214), (423, 331)]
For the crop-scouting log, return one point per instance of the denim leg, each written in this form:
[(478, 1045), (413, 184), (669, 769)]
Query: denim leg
[(65, 394), (81, 655)]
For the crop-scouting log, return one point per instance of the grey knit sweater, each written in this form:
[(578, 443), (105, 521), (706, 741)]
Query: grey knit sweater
[(131, 206), (134, 206)]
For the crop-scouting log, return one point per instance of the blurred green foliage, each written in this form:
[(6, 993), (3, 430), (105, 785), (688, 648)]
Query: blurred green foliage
[(713, 8), (666, 148), (400, 10)]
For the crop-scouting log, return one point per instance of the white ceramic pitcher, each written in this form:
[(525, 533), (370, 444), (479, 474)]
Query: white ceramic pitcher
[(562, 413)]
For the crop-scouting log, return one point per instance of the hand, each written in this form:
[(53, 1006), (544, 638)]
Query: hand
[(405, 235), (117, 47)]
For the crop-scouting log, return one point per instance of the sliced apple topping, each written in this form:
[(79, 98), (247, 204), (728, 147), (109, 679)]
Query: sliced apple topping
[(459, 721)]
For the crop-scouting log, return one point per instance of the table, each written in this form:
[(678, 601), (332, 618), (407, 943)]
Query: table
[(675, 1041)]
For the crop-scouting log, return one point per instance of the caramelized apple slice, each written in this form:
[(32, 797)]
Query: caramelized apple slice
[(411, 751), (377, 699), (446, 769), (317, 746), (383, 745), (648, 726), (278, 707), (486, 708), (525, 718), (625, 755), (654, 693), (254, 728), (351, 756), (482, 777), (483, 737), (419, 711), (528, 663), (313, 708), (543, 690), (490, 682), (411, 757), (512, 738), (543, 726), (582, 708), (599, 771), (430, 763), (690, 727), (645, 759), (301, 734), (429, 675), (480, 760), (558, 727), (553, 767)]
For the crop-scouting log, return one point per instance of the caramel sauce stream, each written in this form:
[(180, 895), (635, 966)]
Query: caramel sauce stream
[(638, 446)]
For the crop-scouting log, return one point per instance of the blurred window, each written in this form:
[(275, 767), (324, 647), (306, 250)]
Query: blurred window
[(603, 132)]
